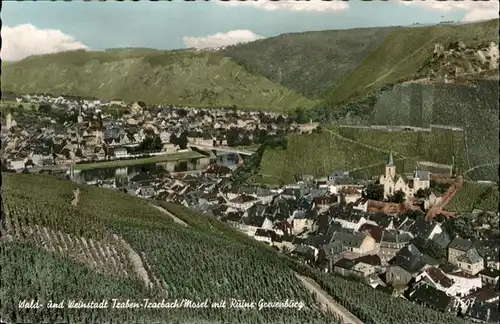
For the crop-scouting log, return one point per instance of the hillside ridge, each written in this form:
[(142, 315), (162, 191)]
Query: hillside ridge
[(156, 77)]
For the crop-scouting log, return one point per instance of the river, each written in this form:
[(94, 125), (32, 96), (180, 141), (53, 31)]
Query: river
[(122, 175)]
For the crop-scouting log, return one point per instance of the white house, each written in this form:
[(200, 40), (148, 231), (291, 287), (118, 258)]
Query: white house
[(432, 200), (463, 284), (121, 152), (353, 221), (17, 164), (300, 222), (361, 206), (453, 285), (405, 183), (242, 202)]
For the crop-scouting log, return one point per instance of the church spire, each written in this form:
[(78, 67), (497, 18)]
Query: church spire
[(390, 160)]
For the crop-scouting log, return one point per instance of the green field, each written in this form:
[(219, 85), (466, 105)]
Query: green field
[(6, 105), (475, 196), (362, 151), (148, 160), (155, 77)]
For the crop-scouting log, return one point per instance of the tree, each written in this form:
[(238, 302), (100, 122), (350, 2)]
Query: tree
[(398, 197), (44, 108), (423, 193), (151, 142), (173, 139), (374, 192), (262, 136), (232, 137), (246, 141), (183, 141), (432, 249), (300, 116)]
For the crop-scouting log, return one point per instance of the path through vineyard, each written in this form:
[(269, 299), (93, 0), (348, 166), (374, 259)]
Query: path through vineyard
[(136, 261), (439, 208), (176, 219), (327, 301), (368, 146)]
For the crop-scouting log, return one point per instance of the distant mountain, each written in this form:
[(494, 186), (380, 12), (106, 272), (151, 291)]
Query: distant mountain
[(176, 77), (301, 70)]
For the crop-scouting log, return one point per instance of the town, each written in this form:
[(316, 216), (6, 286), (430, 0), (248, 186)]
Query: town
[(43, 132), (391, 233)]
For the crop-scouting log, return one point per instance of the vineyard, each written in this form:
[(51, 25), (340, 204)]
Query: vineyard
[(368, 304), (105, 258), (207, 259), (54, 251), (471, 105), (439, 145), (475, 196), (363, 151), (318, 154)]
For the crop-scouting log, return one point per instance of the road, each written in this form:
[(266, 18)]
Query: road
[(327, 301), (481, 166), (439, 208), (362, 144), (222, 149), (175, 218)]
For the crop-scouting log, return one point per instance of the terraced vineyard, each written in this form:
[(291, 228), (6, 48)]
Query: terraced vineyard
[(106, 258), (62, 247), (471, 106), (362, 151), (318, 154), (206, 259), (436, 144)]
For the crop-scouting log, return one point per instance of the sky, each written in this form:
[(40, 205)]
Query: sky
[(31, 28)]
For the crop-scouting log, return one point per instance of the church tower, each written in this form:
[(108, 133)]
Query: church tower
[(390, 168)]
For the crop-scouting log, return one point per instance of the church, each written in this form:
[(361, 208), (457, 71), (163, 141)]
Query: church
[(408, 183)]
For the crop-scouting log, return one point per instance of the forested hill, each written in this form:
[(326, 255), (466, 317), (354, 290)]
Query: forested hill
[(343, 65), (156, 77)]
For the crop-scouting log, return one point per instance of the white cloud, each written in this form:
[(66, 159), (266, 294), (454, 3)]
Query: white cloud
[(475, 10), (221, 39), (291, 5), (24, 40)]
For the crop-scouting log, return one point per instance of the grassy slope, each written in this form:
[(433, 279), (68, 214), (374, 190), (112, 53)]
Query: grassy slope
[(361, 151), (193, 264), (311, 63), (403, 52), (182, 77)]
